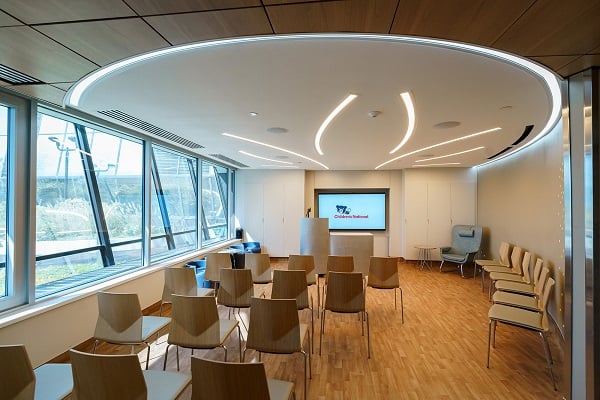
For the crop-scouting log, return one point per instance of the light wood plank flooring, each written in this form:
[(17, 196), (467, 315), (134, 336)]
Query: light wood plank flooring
[(438, 353)]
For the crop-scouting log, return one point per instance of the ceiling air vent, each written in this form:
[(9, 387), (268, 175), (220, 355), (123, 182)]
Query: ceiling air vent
[(15, 77), (526, 133), (500, 152), (148, 127), (229, 160)]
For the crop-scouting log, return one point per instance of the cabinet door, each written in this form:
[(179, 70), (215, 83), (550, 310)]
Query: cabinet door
[(294, 211), (438, 210), (463, 202), (415, 218), (274, 211), (253, 212)]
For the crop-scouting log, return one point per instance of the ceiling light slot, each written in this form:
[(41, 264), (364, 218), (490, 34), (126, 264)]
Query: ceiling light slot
[(15, 77), (148, 127), (526, 133), (500, 152)]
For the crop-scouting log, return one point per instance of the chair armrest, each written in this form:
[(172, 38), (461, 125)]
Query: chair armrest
[(445, 249)]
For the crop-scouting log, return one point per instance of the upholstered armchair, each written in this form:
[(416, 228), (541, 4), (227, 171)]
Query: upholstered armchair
[(466, 240)]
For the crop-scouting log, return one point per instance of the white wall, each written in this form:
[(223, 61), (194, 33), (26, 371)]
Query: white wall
[(520, 200)]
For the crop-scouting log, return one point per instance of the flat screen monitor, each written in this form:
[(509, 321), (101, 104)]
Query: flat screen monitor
[(353, 211)]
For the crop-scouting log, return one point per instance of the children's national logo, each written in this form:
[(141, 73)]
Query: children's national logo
[(343, 210)]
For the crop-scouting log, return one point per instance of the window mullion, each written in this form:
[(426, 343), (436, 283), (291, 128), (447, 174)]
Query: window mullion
[(162, 205)]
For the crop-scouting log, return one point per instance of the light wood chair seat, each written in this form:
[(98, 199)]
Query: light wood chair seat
[(107, 377), (260, 265), (216, 380), (195, 324), (383, 274), (183, 281), (19, 381), (519, 317), (120, 321), (275, 328)]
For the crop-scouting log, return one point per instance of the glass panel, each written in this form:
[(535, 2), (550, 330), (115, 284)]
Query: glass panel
[(214, 202), (174, 204), (51, 275), (4, 127), (118, 166)]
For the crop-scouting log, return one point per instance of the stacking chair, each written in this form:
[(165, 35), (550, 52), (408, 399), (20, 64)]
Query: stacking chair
[(275, 328), (524, 276), (181, 281), (216, 380), (19, 381), (540, 274), (514, 266), (195, 324), (237, 289), (120, 321), (292, 285), (345, 294), (522, 297), (503, 260), (108, 377), (383, 274), (521, 318), (214, 263), (338, 264), (305, 262), (260, 265)]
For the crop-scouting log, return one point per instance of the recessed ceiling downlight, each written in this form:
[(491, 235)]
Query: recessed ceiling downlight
[(446, 125)]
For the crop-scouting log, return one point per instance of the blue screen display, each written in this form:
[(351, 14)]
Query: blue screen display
[(353, 211)]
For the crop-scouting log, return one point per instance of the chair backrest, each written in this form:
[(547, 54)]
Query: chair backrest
[(383, 272), (179, 280), (252, 247), (340, 263), (304, 262), (515, 260), (290, 285), (537, 270), (545, 298), (17, 380), (217, 380), (466, 238), (106, 377), (260, 265), (236, 288), (539, 287), (525, 267), (214, 263), (345, 292), (274, 326), (194, 322), (119, 318), (504, 253)]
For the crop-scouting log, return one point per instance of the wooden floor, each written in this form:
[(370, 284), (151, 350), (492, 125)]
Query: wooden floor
[(438, 353)]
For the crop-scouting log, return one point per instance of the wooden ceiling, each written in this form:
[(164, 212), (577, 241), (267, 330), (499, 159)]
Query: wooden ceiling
[(60, 41)]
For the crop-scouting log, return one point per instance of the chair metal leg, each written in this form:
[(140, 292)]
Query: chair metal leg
[(243, 355), (368, 335), (548, 358), (147, 355), (441, 264), (225, 348), (94, 347), (176, 353), (489, 342), (395, 301), (401, 304), (322, 331), (166, 355), (305, 380), (362, 325), (240, 341)]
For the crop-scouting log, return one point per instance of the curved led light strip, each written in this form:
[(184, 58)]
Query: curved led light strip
[(436, 165), (330, 118), (274, 147), (263, 158), (450, 155), (439, 144), (410, 110), (74, 95)]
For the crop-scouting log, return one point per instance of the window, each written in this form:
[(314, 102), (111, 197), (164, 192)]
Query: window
[(174, 203), (88, 205), (215, 188), (4, 129)]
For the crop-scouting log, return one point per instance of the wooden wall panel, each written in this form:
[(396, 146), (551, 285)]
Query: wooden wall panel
[(153, 7), (38, 12)]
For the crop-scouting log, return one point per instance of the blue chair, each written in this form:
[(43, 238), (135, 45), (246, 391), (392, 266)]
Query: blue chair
[(200, 267), (252, 247), (466, 240)]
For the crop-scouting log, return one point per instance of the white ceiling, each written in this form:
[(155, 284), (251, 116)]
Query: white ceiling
[(294, 83)]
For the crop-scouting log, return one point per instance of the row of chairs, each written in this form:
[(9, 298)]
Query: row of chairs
[(520, 297), (101, 377)]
